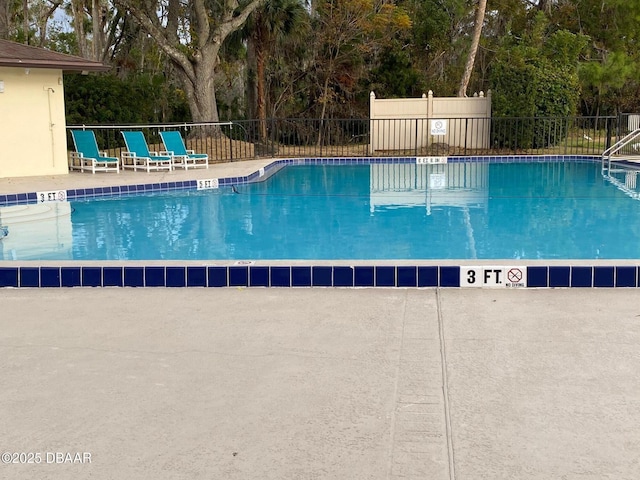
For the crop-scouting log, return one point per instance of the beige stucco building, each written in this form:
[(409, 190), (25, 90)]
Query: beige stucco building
[(33, 138)]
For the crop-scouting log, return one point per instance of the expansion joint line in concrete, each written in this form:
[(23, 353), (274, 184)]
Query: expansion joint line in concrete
[(445, 387), (392, 429)]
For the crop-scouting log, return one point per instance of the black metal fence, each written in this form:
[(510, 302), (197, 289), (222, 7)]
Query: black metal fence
[(286, 138)]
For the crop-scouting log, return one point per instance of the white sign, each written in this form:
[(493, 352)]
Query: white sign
[(261, 172), (431, 160), (438, 127), (207, 184), (52, 196), (437, 180), (493, 277)]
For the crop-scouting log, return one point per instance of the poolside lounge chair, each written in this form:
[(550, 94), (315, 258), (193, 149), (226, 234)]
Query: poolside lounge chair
[(174, 145), (138, 155), (87, 157)]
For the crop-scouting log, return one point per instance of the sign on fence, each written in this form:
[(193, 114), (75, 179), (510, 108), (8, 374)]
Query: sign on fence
[(438, 127)]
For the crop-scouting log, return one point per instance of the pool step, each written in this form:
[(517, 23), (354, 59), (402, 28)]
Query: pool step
[(31, 213)]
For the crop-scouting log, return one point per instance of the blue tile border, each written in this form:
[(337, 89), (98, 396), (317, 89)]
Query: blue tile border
[(30, 277), (322, 276), (154, 277), (343, 276), (371, 276), (259, 276), (9, 277), (217, 276), (407, 276), (581, 277), (112, 277), (176, 277), (537, 276), (626, 276), (91, 276), (363, 276), (280, 276), (134, 276), (559, 276), (428, 277), (238, 276), (50, 276), (71, 277), (300, 276), (449, 276), (385, 276), (603, 277), (196, 276)]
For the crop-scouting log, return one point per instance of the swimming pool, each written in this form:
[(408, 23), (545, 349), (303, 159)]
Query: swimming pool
[(430, 217), (470, 210)]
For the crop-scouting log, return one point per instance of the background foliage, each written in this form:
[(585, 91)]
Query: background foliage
[(321, 58), (107, 99)]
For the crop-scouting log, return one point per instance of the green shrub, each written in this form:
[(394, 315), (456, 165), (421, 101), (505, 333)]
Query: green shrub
[(536, 79), (104, 99)]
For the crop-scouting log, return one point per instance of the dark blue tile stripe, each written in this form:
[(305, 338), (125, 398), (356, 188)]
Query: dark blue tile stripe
[(303, 276), (196, 276), (9, 277), (626, 276)]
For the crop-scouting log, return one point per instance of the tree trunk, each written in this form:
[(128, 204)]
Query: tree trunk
[(251, 91), (261, 108), (43, 21), (25, 20), (325, 100), (196, 69), (77, 8), (201, 95), (97, 30), (477, 31), (544, 6), (202, 102), (4, 19)]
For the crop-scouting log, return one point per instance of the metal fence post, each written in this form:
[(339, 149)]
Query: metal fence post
[(466, 132)]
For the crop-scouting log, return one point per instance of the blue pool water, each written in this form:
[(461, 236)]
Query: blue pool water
[(561, 210)]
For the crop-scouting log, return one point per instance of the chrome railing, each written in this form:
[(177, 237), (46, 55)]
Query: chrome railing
[(626, 146)]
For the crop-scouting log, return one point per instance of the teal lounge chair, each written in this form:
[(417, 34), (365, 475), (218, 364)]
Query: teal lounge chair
[(87, 157), (138, 155), (174, 145)]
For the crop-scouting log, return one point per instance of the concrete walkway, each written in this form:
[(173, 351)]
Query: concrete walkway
[(320, 384), (76, 179)]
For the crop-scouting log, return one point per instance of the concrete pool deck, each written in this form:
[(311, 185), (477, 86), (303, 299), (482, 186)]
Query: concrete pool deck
[(75, 180), (320, 383)]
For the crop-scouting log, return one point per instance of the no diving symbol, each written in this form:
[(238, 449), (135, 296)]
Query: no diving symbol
[(514, 275), (438, 124)]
